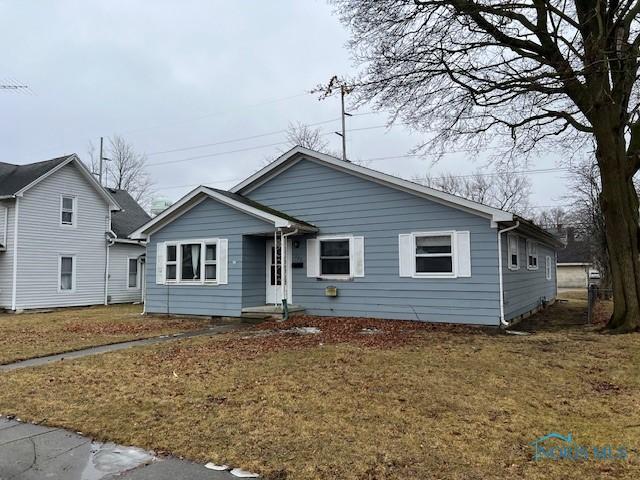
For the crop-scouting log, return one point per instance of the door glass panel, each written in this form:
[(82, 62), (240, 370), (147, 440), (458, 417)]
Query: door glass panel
[(276, 267)]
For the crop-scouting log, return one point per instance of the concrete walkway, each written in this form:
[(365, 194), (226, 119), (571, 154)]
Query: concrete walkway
[(34, 452), (213, 330)]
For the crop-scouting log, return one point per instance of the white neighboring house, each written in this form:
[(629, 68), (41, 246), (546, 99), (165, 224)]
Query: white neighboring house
[(58, 245)]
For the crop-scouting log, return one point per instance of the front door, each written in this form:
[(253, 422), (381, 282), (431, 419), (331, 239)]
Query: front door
[(274, 273)]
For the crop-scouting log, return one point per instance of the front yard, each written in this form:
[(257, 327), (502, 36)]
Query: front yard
[(29, 335), (359, 400)]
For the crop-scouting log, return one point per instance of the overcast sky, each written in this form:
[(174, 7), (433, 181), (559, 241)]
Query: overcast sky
[(171, 75)]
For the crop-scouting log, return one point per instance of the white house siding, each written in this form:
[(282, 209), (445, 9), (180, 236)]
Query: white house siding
[(525, 290), (340, 203), (42, 240), (119, 292), (6, 258)]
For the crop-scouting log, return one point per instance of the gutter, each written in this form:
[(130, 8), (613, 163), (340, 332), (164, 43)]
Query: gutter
[(285, 269), (111, 237), (503, 322)]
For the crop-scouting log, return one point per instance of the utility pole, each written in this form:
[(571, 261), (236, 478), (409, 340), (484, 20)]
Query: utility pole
[(100, 172), (328, 90), (343, 92)]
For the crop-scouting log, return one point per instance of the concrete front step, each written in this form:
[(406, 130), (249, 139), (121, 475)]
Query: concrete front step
[(264, 312)]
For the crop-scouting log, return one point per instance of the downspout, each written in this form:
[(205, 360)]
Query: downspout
[(503, 322), (14, 291), (110, 240), (285, 269)]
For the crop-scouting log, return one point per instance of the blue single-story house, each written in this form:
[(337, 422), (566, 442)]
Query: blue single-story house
[(334, 238)]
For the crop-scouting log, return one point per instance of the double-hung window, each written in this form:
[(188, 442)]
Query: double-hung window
[(548, 267), (192, 261), (513, 252), (132, 276), (67, 273), (434, 254), (334, 257), (68, 210), (532, 255)]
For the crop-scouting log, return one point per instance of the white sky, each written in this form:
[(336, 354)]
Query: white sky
[(173, 74)]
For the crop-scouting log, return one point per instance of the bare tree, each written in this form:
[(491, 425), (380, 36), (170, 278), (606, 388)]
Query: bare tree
[(506, 191), (301, 134), (126, 169), (524, 75), (554, 218)]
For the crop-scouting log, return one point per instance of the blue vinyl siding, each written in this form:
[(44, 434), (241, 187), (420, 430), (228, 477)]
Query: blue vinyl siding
[(340, 203), (524, 290), (254, 271), (209, 219)]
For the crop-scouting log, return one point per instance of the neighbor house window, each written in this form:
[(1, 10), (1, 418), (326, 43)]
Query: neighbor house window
[(67, 210), (513, 252), (172, 263), (433, 254), (334, 257), (548, 267), (67, 280), (133, 273), (210, 261), (532, 255)]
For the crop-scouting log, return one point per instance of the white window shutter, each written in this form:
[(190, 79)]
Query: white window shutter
[(313, 257), (463, 254), (161, 254), (357, 257), (223, 261), (407, 253)]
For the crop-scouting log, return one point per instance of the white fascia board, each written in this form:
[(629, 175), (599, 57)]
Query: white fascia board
[(177, 209), (84, 171), (261, 176)]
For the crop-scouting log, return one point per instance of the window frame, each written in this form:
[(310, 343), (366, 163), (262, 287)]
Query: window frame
[(529, 245), (178, 262), (454, 255), (137, 285), (74, 210), (510, 265), (73, 272), (339, 276)]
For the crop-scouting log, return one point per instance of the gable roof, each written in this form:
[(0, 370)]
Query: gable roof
[(291, 157), (231, 199), (17, 179), (575, 250), (130, 217)]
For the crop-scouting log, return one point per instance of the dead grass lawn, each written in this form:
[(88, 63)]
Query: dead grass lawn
[(405, 402), (29, 335)]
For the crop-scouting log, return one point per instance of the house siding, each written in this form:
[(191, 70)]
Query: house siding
[(6, 257), (119, 292), (208, 219), (42, 240), (524, 290), (254, 271), (340, 203)]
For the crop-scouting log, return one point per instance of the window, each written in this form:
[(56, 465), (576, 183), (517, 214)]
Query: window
[(532, 255), (67, 210), (433, 253), (172, 263), (514, 253), (548, 267), (334, 257), (210, 261), (67, 268), (132, 276), (192, 261)]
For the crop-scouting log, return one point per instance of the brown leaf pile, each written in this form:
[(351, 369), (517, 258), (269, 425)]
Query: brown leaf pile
[(138, 326)]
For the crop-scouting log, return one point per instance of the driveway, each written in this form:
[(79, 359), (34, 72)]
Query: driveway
[(33, 452)]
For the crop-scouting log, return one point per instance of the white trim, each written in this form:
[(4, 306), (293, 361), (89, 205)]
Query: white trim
[(14, 290), (178, 262), (510, 252), (73, 272), (322, 238), (289, 285), (547, 268), (5, 230), (168, 214), (74, 210), (503, 322), (454, 255), (83, 170), (532, 245), (137, 286), (274, 169)]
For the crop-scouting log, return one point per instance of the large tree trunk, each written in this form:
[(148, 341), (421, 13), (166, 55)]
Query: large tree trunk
[(620, 209)]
